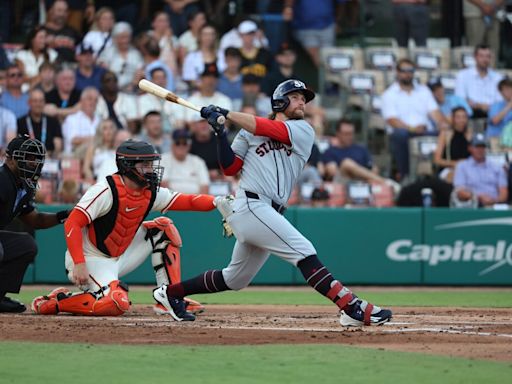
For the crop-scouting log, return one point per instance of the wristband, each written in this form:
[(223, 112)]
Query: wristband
[(62, 216)]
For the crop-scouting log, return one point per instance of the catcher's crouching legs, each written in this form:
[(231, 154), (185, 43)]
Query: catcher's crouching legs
[(166, 259), (114, 302)]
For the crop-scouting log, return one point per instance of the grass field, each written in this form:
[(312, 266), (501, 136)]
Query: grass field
[(24, 362)]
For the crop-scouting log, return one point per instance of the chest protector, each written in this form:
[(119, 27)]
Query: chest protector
[(114, 232)]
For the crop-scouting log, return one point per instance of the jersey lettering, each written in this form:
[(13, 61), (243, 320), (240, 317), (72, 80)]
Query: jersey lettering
[(272, 145)]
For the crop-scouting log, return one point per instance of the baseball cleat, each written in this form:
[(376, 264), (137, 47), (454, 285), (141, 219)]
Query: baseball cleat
[(177, 308), (363, 313), (48, 304)]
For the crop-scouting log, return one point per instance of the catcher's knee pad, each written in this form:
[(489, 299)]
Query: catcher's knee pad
[(166, 242), (113, 303)]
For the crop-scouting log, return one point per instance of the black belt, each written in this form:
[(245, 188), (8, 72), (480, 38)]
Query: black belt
[(278, 207)]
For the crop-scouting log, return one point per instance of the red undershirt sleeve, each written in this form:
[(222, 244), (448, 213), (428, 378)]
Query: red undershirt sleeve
[(274, 129), (192, 202), (73, 232)]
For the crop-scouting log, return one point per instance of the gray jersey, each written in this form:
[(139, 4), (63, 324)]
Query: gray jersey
[(271, 168)]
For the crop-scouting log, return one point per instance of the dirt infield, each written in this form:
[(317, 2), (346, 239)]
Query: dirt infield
[(473, 333)]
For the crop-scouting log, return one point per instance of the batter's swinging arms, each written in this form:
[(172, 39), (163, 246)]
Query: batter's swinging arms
[(107, 238), (271, 154)]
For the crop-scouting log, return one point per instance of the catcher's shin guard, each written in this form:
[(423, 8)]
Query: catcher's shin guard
[(166, 242), (113, 303), (48, 304)]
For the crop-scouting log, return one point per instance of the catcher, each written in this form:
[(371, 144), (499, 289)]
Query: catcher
[(107, 238)]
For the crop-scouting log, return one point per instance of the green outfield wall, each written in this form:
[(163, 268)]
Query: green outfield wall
[(360, 246)]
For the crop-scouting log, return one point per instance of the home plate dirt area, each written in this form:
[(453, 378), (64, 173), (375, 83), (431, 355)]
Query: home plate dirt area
[(472, 333)]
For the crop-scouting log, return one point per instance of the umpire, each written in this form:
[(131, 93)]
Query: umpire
[(18, 182)]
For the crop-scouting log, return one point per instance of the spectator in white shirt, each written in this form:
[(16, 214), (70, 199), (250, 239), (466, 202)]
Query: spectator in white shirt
[(79, 128), (187, 42), (184, 172), (34, 53), (100, 35), (479, 85), (206, 53), (122, 57), (406, 108), (153, 133)]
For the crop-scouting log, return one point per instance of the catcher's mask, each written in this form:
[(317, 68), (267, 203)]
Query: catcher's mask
[(280, 100), (29, 155), (149, 172)]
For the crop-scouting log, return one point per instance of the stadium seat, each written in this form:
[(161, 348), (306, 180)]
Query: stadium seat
[(383, 58), (430, 59), (382, 195), (71, 169), (462, 57), (447, 78), (337, 194)]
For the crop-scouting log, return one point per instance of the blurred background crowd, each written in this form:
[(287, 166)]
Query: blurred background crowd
[(413, 106)]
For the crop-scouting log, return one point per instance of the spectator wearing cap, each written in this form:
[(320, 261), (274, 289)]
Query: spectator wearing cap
[(282, 70), (64, 99), (452, 144), (153, 133), (255, 60), (151, 55), (99, 36), (230, 80), (232, 38), (61, 37), (478, 85), (207, 93), (252, 94), (34, 53), (206, 54), (122, 57), (121, 107), (314, 24), (13, 98), (187, 42), (447, 103), (87, 73), (183, 171), (407, 107), (478, 180), (500, 112), (40, 126)]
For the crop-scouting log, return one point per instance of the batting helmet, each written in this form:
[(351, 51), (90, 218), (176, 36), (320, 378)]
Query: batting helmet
[(131, 152), (29, 155), (280, 100)]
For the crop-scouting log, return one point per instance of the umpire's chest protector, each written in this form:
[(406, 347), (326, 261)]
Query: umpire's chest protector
[(114, 232)]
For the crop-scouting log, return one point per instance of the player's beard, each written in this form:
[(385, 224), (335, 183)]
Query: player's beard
[(297, 114)]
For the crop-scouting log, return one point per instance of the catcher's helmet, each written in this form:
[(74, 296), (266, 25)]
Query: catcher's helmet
[(131, 152), (280, 100), (29, 155)]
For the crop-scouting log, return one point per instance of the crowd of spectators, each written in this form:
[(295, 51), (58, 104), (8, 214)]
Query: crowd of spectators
[(73, 85)]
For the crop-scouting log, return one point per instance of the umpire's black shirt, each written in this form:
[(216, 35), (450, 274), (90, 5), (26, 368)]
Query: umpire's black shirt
[(14, 200)]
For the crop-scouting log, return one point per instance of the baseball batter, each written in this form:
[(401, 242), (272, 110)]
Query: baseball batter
[(271, 154), (107, 237)]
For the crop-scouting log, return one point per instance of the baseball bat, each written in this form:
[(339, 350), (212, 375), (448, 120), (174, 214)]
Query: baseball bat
[(163, 93)]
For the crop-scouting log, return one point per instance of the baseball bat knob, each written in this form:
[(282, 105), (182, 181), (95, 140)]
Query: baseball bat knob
[(221, 120)]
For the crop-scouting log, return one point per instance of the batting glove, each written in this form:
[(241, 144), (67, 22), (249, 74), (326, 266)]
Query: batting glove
[(212, 120), (206, 111)]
